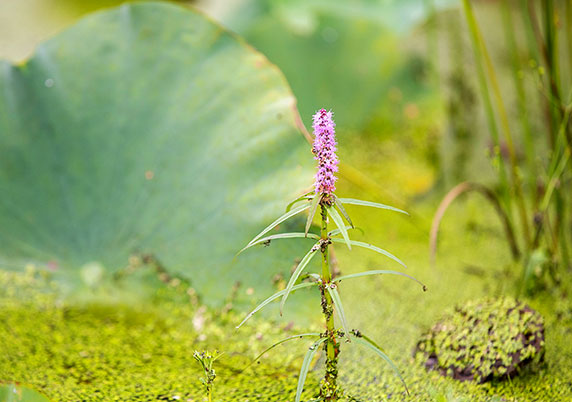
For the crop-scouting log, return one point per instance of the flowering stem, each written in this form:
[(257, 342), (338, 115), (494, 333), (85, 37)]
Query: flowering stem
[(328, 388)]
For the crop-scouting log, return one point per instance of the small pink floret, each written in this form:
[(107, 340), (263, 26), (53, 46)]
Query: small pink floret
[(325, 151)]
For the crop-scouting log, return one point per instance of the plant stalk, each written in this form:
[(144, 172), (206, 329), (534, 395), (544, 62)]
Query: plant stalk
[(521, 97), (487, 103), (478, 42), (328, 388)]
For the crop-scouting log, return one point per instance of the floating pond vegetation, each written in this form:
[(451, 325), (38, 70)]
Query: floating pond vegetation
[(484, 340)]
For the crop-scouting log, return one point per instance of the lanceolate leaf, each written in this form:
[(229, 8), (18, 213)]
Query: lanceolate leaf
[(299, 336), (370, 204), (19, 393), (274, 297), (332, 289), (344, 212), (313, 208), (348, 227), (278, 221), (297, 273), (268, 239), (340, 224), (316, 277), (368, 339), (301, 198), (364, 341), (370, 247), (378, 272), (312, 350)]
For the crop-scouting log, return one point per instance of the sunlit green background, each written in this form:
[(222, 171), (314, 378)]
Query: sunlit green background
[(400, 77)]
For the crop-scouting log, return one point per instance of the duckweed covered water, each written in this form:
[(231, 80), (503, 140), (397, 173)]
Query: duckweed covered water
[(108, 352)]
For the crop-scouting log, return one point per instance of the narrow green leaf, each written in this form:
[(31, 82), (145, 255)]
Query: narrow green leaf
[(299, 336), (312, 350), (332, 289), (343, 211), (274, 297), (297, 273), (340, 224), (19, 393), (370, 204), (348, 227), (370, 345), (378, 272), (370, 247), (291, 235), (313, 208), (278, 221), (368, 339), (301, 198), (315, 277)]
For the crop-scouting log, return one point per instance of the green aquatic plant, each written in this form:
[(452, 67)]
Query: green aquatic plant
[(330, 207), (484, 340), (206, 360), (533, 196), (19, 393)]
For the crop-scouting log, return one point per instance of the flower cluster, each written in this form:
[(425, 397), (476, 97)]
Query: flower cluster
[(324, 150)]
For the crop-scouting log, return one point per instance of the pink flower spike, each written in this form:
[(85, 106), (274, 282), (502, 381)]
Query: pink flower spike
[(324, 150)]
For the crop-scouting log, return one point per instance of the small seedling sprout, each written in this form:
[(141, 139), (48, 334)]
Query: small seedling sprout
[(206, 360)]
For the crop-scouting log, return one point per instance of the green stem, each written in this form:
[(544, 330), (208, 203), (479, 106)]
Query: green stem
[(487, 103), (481, 49), (521, 97), (537, 48), (328, 388)]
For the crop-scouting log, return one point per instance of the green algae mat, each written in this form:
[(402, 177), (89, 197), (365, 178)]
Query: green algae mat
[(93, 351)]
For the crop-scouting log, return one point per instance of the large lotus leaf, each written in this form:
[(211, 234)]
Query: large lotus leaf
[(14, 393), (148, 129)]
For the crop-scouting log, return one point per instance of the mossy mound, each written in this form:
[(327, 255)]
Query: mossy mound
[(484, 340)]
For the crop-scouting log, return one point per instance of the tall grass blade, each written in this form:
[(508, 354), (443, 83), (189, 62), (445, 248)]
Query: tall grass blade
[(489, 111), (312, 350), (274, 297), (340, 224), (278, 221), (268, 239), (348, 227), (362, 341), (299, 336), (353, 201), (489, 195), (301, 198), (332, 289), (521, 94), (344, 212), (370, 247), (378, 272), (503, 117), (313, 209), (307, 258)]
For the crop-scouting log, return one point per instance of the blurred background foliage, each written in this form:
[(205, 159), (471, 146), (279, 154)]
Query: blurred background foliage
[(399, 75), (402, 80), (393, 71)]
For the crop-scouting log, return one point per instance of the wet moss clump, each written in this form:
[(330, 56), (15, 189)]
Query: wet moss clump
[(484, 340)]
